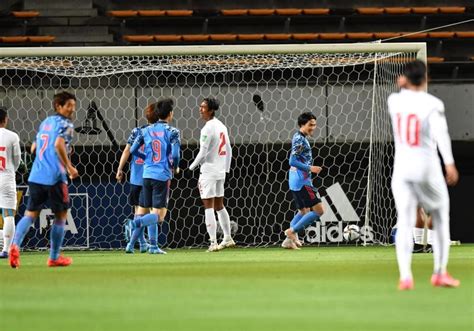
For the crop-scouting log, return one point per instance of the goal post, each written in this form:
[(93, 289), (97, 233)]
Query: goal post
[(262, 90)]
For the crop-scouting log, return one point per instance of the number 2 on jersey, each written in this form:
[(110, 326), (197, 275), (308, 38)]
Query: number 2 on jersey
[(3, 159), (222, 151), (412, 134)]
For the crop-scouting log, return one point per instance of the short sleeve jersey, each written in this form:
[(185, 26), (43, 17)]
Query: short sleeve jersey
[(47, 168)]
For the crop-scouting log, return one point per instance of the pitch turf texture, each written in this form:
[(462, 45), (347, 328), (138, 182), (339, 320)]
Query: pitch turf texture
[(319, 288)]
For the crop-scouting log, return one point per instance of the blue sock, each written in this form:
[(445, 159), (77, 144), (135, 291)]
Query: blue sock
[(57, 237), (22, 229), (296, 219), (135, 234), (146, 220), (305, 221), (153, 234), (141, 237)]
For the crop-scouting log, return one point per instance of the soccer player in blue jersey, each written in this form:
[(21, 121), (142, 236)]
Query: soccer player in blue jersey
[(136, 179), (310, 207), (162, 153), (48, 181)]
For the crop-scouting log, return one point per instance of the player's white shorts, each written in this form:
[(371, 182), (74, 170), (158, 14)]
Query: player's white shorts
[(211, 188), (432, 194), (8, 198)]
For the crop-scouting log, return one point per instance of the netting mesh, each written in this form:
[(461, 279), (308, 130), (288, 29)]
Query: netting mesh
[(261, 97)]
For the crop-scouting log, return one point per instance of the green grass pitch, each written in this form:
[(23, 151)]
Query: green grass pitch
[(318, 288)]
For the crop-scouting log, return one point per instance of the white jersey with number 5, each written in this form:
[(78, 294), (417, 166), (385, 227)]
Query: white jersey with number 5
[(9, 161), (419, 127), (215, 152)]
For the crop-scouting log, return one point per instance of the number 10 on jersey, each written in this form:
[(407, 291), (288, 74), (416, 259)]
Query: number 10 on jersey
[(408, 129)]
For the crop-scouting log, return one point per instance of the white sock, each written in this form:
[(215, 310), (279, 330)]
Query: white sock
[(1, 237), (418, 235), (8, 232), (429, 238), (211, 224), (224, 221)]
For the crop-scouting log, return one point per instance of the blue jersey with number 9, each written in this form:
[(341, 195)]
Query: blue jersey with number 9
[(158, 140)]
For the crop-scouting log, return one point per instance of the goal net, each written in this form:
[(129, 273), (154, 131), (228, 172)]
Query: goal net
[(262, 90)]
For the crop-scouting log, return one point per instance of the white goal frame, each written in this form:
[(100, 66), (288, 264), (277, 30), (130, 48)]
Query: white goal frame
[(417, 48)]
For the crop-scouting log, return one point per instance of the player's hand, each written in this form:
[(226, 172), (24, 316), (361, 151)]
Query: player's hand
[(452, 175), (315, 169), (73, 173), (177, 171), (119, 176)]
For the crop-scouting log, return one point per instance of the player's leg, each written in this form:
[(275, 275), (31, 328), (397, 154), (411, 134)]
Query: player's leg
[(308, 195), (288, 243), (161, 191), (223, 216), (59, 200), (207, 190), (8, 230), (406, 204), (422, 245), (8, 205), (38, 196), (300, 205), (134, 200), (140, 223), (436, 197)]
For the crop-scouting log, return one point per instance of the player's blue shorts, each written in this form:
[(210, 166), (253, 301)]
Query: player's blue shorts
[(155, 193), (307, 197), (134, 198), (57, 195)]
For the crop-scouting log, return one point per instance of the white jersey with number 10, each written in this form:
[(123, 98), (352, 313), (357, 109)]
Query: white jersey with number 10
[(419, 127), (215, 152)]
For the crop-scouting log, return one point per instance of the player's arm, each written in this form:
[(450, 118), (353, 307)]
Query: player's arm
[(33, 148), (440, 128), (60, 146), (228, 155), (175, 148), (123, 160), (296, 149), (16, 153), (204, 143)]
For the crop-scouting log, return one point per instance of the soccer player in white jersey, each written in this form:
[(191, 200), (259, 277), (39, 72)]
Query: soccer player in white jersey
[(9, 161), (420, 127), (214, 157)]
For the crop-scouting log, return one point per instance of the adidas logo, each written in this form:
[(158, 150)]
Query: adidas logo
[(330, 227)]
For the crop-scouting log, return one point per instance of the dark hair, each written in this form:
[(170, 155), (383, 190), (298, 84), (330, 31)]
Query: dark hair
[(415, 72), (213, 104), (163, 108), (60, 99), (305, 118), (3, 115)]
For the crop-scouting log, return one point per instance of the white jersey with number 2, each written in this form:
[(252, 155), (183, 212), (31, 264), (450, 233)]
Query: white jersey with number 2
[(419, 126), (215, 152), (9, 161)]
